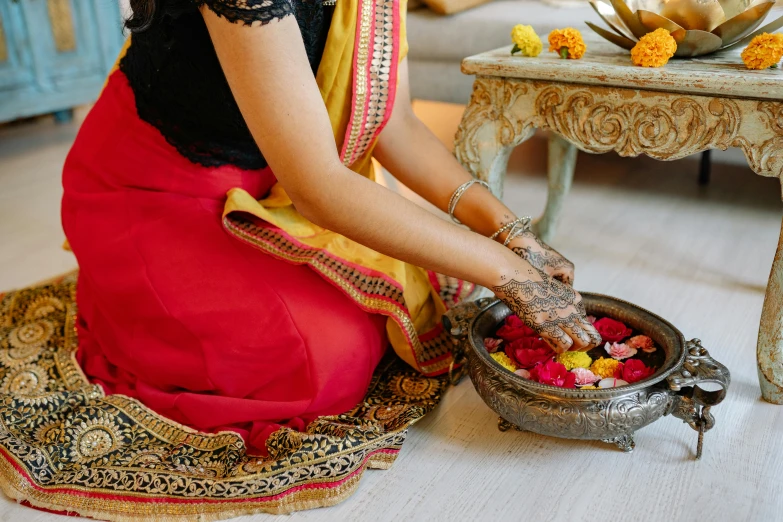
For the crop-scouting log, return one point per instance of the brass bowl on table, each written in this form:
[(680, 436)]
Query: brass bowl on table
[(698, 26), (686, 385)]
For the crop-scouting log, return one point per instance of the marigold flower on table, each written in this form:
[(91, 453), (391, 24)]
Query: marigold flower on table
[(654, 49), (573, 360), (605, 367), (765, 50), (568, 43), (526, 41), (503, 360)]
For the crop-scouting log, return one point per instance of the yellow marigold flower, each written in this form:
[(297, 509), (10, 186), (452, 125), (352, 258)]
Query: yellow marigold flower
[(526, 40), (504, 361), (654, 49), (573, 360), (567, 43), (589, 388), (763, 51), (605, 367)]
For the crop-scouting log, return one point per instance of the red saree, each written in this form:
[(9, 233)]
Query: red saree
[(213, 328)]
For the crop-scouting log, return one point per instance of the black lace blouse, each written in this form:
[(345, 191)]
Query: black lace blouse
[(179, 85)]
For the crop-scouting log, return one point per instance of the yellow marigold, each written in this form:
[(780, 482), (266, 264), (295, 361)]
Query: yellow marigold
[(526, 40), (605, 367), (654, 49), (589, 388), (504, 361), (573, 360), (763, 51), (567, 43)]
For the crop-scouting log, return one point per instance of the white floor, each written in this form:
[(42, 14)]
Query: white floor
[(636, 229)]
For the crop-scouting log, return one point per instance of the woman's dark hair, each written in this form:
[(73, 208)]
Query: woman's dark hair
[(144, 13)]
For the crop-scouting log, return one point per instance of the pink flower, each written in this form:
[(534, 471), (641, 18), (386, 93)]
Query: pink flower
[(523, 373), (529, 351), (584, 376), (635, 370), (619, 351), (492, 344), (611, 330), (591, 319), (553, 373), (642, 342), (514, 328)]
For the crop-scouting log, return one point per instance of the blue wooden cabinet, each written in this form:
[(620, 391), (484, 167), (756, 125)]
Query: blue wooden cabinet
[(55, 54)]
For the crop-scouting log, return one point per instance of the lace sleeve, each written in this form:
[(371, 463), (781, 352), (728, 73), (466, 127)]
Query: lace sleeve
[(249, 11)]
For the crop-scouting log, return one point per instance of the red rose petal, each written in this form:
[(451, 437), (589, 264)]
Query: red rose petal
[(611, 330)]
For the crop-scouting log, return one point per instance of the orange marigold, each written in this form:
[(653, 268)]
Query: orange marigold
[(763, 51), (567, 43), (654, 49)]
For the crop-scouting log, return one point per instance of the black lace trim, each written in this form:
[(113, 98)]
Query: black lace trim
[(180, 87), (250, 11)]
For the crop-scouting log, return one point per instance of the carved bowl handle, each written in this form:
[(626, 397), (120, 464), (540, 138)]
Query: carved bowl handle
[(698, 369), (700, 383)]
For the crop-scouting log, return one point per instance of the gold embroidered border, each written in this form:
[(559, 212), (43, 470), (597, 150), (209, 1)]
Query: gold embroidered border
[(380, 81), (15, 486), (360, 93)]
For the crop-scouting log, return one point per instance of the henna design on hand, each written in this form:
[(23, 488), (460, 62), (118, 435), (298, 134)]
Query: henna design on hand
[(551, 308), (545, 258)]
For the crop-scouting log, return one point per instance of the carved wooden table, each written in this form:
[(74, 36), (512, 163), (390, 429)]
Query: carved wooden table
[(603, 103)]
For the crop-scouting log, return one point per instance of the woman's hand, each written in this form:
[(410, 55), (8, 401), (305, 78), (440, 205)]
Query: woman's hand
[(543, 257), (553, 309)]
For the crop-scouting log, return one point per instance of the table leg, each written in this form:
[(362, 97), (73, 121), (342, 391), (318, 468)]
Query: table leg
[(769, 350), (488, 133), (562, 162)]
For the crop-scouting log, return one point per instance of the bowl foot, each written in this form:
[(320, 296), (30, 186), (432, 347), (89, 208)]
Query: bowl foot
[(624, 442), (504, 425)]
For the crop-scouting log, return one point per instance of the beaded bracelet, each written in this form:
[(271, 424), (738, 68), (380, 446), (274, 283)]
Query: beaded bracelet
[(510, 227), (455, 197)]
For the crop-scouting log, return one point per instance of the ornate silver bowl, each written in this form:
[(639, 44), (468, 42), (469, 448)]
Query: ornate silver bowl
[(699, 26), (687, 385)]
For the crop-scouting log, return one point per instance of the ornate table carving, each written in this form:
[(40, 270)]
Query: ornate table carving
[(602, 103)]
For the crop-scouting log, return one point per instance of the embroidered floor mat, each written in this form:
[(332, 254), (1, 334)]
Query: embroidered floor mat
[(66, 446)]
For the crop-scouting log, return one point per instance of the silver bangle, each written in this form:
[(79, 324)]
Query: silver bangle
[(455, 197), (511, 225), (524, 226)]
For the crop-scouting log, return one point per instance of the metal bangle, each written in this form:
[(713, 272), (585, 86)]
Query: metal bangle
[(524, 226), (509, 226), (455, 197)]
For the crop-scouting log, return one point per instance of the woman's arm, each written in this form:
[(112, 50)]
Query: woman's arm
[(409, 150), (270, 77), (416, 157)]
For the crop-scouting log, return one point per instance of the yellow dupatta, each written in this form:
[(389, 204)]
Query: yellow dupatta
[(357, 78)]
